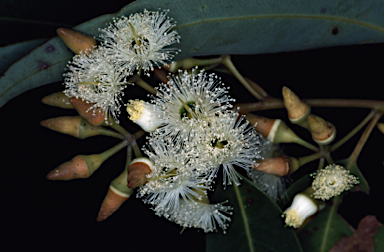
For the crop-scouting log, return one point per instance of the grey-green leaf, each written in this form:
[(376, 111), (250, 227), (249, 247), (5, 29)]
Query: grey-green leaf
[(228, 27), (325, 229), (9, 54), (256, 223)]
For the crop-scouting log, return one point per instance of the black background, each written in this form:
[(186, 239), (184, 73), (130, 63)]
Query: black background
[(61, 216)]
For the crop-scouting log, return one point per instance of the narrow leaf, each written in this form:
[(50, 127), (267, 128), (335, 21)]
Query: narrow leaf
[(11, 53), (223, 27), (325, 229), (256, 225)]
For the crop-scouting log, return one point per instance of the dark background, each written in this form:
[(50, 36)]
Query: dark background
[(61, 216)]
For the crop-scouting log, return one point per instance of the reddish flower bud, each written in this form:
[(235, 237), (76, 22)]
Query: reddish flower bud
[(95, 118), (76, 41)]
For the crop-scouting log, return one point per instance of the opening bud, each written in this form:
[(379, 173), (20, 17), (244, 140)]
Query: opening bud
[(58, 99), (298, 110), (323, 132), (76, 41), (138, 171), (302, 207), (144, 114)]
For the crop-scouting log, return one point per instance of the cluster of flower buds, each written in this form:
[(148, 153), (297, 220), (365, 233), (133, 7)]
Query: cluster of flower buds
[(299, 112)]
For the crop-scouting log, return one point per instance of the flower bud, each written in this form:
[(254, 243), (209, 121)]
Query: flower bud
[(322, 131), (302, 207), (81, 166), (261, 124), (58, 99), (278, 166), (95, 118), (298, 111), (76, 41), (332, 181), (77, 126), (117, 194), (381, 127), (64, 124), (144, 114), (137, 172)]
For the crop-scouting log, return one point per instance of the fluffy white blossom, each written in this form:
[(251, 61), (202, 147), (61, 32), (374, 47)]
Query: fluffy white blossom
[(201, 215), (174, 176), (188, 99), (332, 181), (94, 79), (139, 42), (228, 140)]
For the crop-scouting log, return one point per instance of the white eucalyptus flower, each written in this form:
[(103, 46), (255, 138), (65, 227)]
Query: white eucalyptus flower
[(139, 42), (94, 79), (228, 140), (174, 176), (332, 181), (201, 215), (188, 99)]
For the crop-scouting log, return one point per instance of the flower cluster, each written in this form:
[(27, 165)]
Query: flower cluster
[(129, 44), (196, 134)]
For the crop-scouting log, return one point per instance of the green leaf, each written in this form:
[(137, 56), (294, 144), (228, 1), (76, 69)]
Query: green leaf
[(354, 170), (325, 229), (9, 54), (379, 239), (226, 27), (256, 223)]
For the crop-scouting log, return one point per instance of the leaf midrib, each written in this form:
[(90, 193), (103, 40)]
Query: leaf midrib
[(328, 224), (15, 83), (293, 16), (245, 218)]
